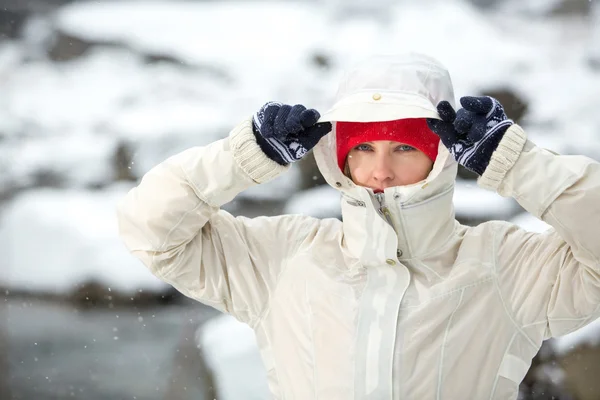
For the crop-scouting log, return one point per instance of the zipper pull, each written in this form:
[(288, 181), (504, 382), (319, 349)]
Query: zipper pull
[(381, 199), (384, 210)]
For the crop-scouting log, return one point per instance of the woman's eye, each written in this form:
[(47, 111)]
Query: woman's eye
[(363, 147), (405, 147)]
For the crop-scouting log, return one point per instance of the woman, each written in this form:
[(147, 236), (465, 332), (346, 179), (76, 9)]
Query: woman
[(398, 301)]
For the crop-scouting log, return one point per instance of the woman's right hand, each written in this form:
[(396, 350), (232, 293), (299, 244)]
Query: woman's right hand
[(286, 133)]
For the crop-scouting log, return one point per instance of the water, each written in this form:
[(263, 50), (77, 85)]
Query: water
[(56, 351)]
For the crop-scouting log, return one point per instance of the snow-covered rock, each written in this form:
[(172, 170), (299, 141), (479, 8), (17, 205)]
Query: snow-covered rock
[(530, 223), (282, 188), (475, 203), (588, 335), (238, 37), (231, 352), (53, 241), (320, 202)]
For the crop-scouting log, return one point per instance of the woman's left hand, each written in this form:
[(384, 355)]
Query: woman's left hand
[(474, 132)]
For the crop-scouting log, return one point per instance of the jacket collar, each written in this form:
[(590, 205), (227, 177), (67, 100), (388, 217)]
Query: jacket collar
[(416, 219)]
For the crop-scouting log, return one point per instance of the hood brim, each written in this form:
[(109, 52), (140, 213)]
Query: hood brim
[(380, 106)]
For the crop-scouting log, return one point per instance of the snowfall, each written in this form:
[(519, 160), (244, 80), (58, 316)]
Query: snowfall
[(67, 119)]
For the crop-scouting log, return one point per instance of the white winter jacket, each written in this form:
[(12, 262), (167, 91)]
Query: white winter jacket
[(398, 301)]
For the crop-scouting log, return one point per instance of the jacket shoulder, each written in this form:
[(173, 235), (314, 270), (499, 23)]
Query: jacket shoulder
[(479, 242)]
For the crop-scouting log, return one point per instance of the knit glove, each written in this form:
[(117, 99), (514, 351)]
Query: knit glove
[(474, 132), (285, 133)]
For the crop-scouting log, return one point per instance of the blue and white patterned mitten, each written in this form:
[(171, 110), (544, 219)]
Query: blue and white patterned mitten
[(474, 132), (285, 133)]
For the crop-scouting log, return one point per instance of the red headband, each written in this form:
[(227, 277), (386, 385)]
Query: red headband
[(413, 132)]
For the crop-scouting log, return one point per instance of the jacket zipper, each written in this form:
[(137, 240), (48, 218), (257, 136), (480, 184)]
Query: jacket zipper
[(385, 211)]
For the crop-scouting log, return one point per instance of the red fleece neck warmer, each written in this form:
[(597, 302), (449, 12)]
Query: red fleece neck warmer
[(413, 132)]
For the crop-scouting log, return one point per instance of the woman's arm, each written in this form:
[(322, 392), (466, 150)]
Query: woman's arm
[(552, 279), (550, 283), (173, 223)]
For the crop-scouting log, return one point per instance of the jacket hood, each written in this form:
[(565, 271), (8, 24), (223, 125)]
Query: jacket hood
[(386, 88)]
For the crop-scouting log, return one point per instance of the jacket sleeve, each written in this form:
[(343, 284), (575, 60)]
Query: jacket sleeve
[(549, 279), (173, 223)]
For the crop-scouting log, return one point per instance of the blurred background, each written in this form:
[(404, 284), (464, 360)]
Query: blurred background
[(95, 93)]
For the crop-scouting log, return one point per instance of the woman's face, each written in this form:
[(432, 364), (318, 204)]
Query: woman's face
[(381, 164)]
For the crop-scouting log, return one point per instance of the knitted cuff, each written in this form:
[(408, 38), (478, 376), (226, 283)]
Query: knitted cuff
[(249, 156), (503, 158)]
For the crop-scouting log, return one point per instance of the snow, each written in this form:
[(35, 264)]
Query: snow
[(75, 164), (281, 188), (531, 7), (471, 201), (52, 241), (230, 351), (530, 223), (588, 335), (71, 95), (230, 36), (320, 202)]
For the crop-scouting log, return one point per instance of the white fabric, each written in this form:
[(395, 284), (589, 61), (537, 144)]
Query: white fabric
[(419, 308), (513, 368), (408, 82)]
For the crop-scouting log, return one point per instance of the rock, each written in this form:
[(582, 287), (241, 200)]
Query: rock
[(66, 47), (514, 105), (5, 392), (581, 369), (14, 14), (11, 22), (537, 8), (572, 7), (161, 58), (310, 176), (541, 381), (12, 187), (190, 376), (321, 60), (350, 9), (122, 161), (94, 295), (251, 208), (593, 62), (466, 174), (47, 178), (33, 5), (8, 189), (485, 4), (593, 58)]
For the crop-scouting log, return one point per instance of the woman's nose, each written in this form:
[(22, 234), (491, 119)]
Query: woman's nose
[(383, 170)]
